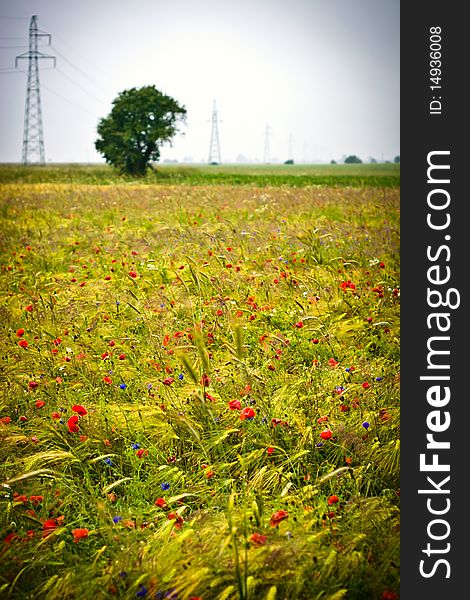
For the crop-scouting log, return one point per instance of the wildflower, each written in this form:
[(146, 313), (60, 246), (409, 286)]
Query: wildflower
[(79, 409), (142, 591), (48, 527), (55, 415), (388, 595), (122, 386), (235, 405), (366, 425), (247, 413), (322, 419), (29, 308), (23, 418), (326, 434), (39, 403), (36, 499), (79, 534), (72, 424), (116, 519), (178, 519), (135, 446), (332, 362), (257, 539), (133, 274), (168, 381), (333, 499), (210, 474), (219, 312), (165, 486), (277, 517), (205, 380), (269, 450), (108, 461), (299, 324), (107, 380), (315, 341), (23, 344), (20, 332), (105, 355), (122, 356), (142, 452), (181, 376), (160, 502), (5, 420), (366, 385)]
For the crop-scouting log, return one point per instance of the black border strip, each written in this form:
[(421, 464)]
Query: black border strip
[(427, 128)]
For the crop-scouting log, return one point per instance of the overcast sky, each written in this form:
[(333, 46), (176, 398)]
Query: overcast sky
[(323, 75)]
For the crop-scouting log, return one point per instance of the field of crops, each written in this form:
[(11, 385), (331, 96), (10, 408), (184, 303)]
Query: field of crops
[(199, 390)]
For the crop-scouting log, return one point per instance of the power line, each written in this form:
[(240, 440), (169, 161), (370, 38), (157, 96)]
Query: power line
[(80, 87), (97, 85), (214, 147)]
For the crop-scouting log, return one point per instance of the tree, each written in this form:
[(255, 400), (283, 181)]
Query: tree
[(396, 160), (352, 159), (141, 120)]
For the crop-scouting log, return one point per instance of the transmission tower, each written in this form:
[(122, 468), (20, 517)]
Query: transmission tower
[(214, 147), (266, 156), (33, 139)]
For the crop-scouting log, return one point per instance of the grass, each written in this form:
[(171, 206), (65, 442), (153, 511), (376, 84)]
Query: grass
[(231, 356), (362, 175)]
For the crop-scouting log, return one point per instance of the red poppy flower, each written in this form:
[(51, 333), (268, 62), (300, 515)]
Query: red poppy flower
[(133, 274), (23, 344), (205, 380), (122, 356), (161, 502), (322, 419), (388, 595), (72, 424), (326, 434), (235, 405), (107, 380), (5, 420), (247, 413), (20, 497), (269, 450), (366, 385), (168, 381), (20, 332), (23, 418), (277, 517), (332, 362), (29, 308), (299, 325), (142, 452), (79, 409), (48, 527), (210, 474), (333, 499), (104, 355), (40, 403), (36, 499), (257, 539), (79, 534)]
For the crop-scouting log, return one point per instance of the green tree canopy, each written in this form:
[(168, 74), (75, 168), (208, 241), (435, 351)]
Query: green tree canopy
[(141, 120), (352, 159)]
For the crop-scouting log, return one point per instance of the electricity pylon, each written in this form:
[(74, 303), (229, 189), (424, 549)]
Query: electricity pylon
[(214, 147), (33, 138), (266, 156)]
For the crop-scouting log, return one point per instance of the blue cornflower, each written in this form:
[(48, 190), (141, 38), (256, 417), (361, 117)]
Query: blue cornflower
[(165, 486), (378, 378), (181, 376), (135, 446), (142, 591), (366, 425), (108, 461), (122, 386), (117, 518)]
